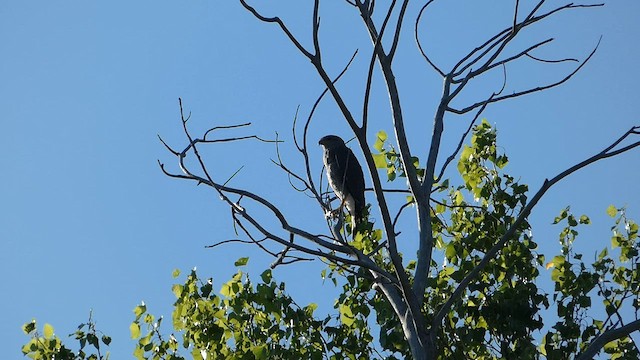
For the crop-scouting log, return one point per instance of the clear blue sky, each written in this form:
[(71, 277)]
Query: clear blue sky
[(89, 222)]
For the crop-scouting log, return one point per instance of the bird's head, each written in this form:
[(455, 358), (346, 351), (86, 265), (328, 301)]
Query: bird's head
[(331, 141)]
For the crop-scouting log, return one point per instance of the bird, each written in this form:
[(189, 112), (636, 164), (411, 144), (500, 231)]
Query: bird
[(345, 176)]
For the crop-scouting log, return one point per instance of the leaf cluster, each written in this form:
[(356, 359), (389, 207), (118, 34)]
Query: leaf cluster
[(614, 279), (47, 345)]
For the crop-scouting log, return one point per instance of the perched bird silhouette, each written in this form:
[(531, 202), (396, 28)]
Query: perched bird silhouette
[(345, 176)]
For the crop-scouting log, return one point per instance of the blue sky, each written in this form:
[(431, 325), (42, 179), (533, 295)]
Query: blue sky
[(88, 220)]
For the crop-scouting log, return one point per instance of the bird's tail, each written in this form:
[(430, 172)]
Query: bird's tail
[(359, 221)]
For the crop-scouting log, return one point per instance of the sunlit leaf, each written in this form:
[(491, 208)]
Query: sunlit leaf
[(134, 328), (48, 331), (346, 315), (139, 310), (381, 137)]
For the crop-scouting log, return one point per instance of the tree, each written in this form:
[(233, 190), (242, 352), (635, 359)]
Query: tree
[(482, 303)]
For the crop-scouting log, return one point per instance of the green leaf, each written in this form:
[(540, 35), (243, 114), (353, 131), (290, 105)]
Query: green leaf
[(458, 197), (572, 221), (391, 173), (177, 290), (542, 347), (175, 273), (93, 340), (29, 327), (242, 261), (134, 328), (48, 331), (266, 276), (615, 241), (612, 211), (231, 288), (139, 354), (346, 315), (381, 137), (562, 215), (139, 310), (450, 251), (259, 351), (380, 160), (502, 161), (311, 308), (106, 340), (602, 254)]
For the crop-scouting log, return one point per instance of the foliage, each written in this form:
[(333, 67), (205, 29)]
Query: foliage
[(247, 321), (617, 283), (49, 346), (498, 316), (499, 312)]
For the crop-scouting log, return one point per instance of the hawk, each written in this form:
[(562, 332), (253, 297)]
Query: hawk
[(344, 175)]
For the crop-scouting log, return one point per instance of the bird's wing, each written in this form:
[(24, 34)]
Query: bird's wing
[(347, 165)]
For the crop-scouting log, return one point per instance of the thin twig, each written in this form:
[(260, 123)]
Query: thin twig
[(284, 28), (424, 54), (528, 91)]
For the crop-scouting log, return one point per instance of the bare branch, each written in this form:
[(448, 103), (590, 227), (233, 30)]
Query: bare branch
[(424, 55), (291, 174), (515, 14), (377, 47), (224, 127), (501, 39), (232, 241), (425, 235), (551, 61), (524, 52), (396, 36), (225, 189), (451, 206), (367, 92), (316, 27), (303, 149), (244, 229), (177, 176), (359, 258), (282, 257), (284, 28), (406, 205), (413, 300), (233, 175), (168, 147), (528, 91), (608, 336)]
